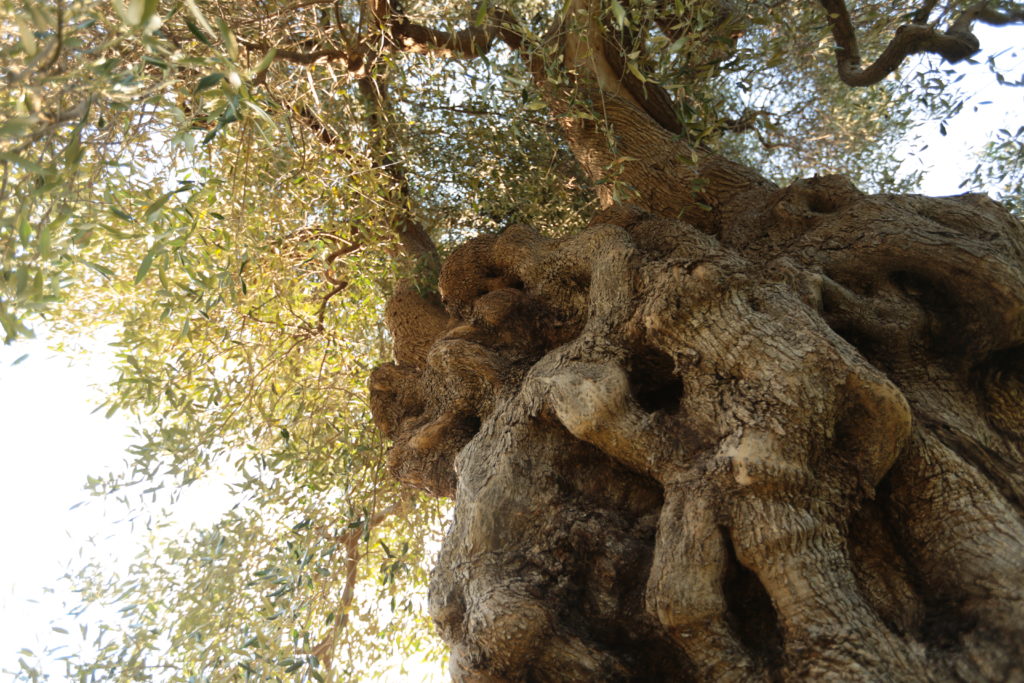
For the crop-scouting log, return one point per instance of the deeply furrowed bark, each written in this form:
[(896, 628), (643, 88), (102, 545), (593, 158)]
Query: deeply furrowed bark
[(735, 433)]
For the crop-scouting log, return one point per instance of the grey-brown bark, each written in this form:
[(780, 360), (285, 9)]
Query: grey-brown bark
[(786, 444)]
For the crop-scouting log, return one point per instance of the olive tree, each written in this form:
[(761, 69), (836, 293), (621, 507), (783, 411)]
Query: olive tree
[(697, 416)]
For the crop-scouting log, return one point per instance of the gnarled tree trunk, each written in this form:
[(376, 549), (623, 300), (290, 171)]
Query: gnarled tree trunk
[(734, 432)]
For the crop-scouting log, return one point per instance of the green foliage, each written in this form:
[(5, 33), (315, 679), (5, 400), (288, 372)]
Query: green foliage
[(166, 167), (1002, 166)]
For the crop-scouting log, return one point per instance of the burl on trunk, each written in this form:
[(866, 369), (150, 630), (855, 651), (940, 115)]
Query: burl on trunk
[(781, 442)]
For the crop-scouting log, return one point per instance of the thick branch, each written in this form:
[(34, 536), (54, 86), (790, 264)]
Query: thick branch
[(467, 43), (954, 45), (351, 60), (651, 97), (406, 36), (635, 146), (412, 235), (400, 35), (1011, 14), (924, 11)]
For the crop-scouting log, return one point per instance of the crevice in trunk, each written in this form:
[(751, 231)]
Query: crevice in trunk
[(653, 382), (751, 614)]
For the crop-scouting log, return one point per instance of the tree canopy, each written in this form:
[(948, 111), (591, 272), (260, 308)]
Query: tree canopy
[(240, 186)]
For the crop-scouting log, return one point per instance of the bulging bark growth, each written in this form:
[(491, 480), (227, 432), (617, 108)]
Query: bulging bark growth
[(786, 445), (731, 432)]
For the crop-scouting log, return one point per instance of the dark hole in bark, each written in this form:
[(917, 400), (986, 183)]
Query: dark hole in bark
[(999, 381), (913, 285), (860, 341), (1001, 365), (653, 381), (471, 424), (751, 614), (821, 203), (943, 318), (944, 623), (861, 284), (494, 279)]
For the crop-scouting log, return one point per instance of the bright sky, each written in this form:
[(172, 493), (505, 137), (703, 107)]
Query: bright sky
[(948, 159), (51, 441)]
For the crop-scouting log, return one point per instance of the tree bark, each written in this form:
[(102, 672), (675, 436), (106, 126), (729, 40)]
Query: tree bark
[(731, 432)]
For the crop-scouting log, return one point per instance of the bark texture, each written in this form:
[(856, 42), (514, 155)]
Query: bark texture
[(776, 438)]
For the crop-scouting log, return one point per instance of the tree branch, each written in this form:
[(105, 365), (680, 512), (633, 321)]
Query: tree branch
[(58, 40), (324, 650), (651, 96), (411, 234), (351, 60), (51, 121), (1011, 14), (954, 45), (400, 35), (924, 11), (745, 122), (313, 122), (466, 43)]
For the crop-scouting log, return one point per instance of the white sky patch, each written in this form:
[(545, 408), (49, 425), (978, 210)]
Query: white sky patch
[(52, 441), (948, 159), (50, 444)]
